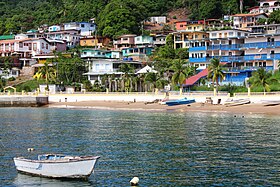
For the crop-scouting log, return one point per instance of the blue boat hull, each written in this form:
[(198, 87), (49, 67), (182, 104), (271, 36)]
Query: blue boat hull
[(180, 102)]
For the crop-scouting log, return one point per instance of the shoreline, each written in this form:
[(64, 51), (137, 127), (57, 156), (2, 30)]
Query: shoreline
[(251, 108)]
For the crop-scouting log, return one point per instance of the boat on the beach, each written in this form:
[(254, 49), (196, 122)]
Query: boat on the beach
[(57, 166), (179, 102), (270, 102), (236, 102)]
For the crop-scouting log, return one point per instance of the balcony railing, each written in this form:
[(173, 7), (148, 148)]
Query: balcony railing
[(201, 48), (196, 60), (246, 68), (258, 45)]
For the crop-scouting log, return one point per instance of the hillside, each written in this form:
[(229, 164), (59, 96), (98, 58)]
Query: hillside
[(114, 17)]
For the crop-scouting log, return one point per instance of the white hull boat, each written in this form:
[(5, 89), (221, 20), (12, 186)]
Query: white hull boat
[(236, 102), (57, 166)]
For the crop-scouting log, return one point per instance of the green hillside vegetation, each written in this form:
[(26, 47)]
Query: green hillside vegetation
[(114, 17)]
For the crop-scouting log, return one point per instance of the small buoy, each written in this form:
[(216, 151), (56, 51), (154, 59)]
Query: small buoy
[(30, 149), (134, 181)]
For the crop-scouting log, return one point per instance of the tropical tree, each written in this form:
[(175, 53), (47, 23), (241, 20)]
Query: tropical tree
[(262, 78), (70, 69), (127, 70), (215, 72), (152, 78), (46, 72), (181, 72), (274, 17), (2, 83)]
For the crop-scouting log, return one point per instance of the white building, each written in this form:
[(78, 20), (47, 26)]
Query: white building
[(71, 37), (266, 6), (158, 19), (54, 28), (85, 28)]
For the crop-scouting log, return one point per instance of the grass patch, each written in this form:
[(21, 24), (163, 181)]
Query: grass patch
[(29, 86)]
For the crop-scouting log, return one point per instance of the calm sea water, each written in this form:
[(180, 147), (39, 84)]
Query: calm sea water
[(162, 149)]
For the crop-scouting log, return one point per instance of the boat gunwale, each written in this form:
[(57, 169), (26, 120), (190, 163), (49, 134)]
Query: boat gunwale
[(59, 161)]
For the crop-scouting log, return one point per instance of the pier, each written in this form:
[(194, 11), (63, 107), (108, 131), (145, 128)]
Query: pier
[(23, 101)]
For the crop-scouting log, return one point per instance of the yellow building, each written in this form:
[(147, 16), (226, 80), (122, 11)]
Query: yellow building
[(194, 32), (89, 42)]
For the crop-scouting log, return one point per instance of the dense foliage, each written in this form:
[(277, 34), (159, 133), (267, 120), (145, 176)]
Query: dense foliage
[(114, 17)]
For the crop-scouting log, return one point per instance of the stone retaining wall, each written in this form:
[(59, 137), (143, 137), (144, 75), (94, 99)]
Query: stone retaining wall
[(23, 101)]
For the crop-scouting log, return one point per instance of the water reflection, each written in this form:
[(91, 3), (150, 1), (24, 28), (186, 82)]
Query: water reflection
[(27, 180), (162, 149)]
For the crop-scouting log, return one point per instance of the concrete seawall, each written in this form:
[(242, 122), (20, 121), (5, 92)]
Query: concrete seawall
[(23, 101)]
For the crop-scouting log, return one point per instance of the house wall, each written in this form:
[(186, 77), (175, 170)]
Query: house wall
[(180, 26), (101, 66), (227, 34), (195, 27), (54, 28), (88, 42)]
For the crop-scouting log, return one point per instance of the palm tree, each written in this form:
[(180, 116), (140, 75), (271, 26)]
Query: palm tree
[(46, 72), (152, 78), (215, 72), (127, 70), (141, 82), (262, 78), (181, 72)]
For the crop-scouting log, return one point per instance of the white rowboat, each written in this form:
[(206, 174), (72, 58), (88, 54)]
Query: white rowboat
[(58, 166)]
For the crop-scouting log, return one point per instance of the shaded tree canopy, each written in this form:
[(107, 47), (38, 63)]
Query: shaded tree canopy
[(114, 17)]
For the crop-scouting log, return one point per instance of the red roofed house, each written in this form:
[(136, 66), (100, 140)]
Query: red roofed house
[(242, 21), (181, 25), (25, 48), (266, 6)]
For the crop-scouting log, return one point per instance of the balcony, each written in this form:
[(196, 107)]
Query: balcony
[(246, 68), (262, 45), (225, 47), (197, 60), (201, 48)]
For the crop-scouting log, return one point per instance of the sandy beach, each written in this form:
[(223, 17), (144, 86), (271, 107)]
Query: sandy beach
[(194, 107)]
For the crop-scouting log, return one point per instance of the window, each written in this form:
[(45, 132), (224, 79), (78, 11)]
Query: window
[(214, 34), (47, 46), (97, 66), (189, 28), (20, 45), (230, 33), (34, 47), (181, 25), (93, 77), (216, 43), (43, 46), (107, 66), (82, 25)]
